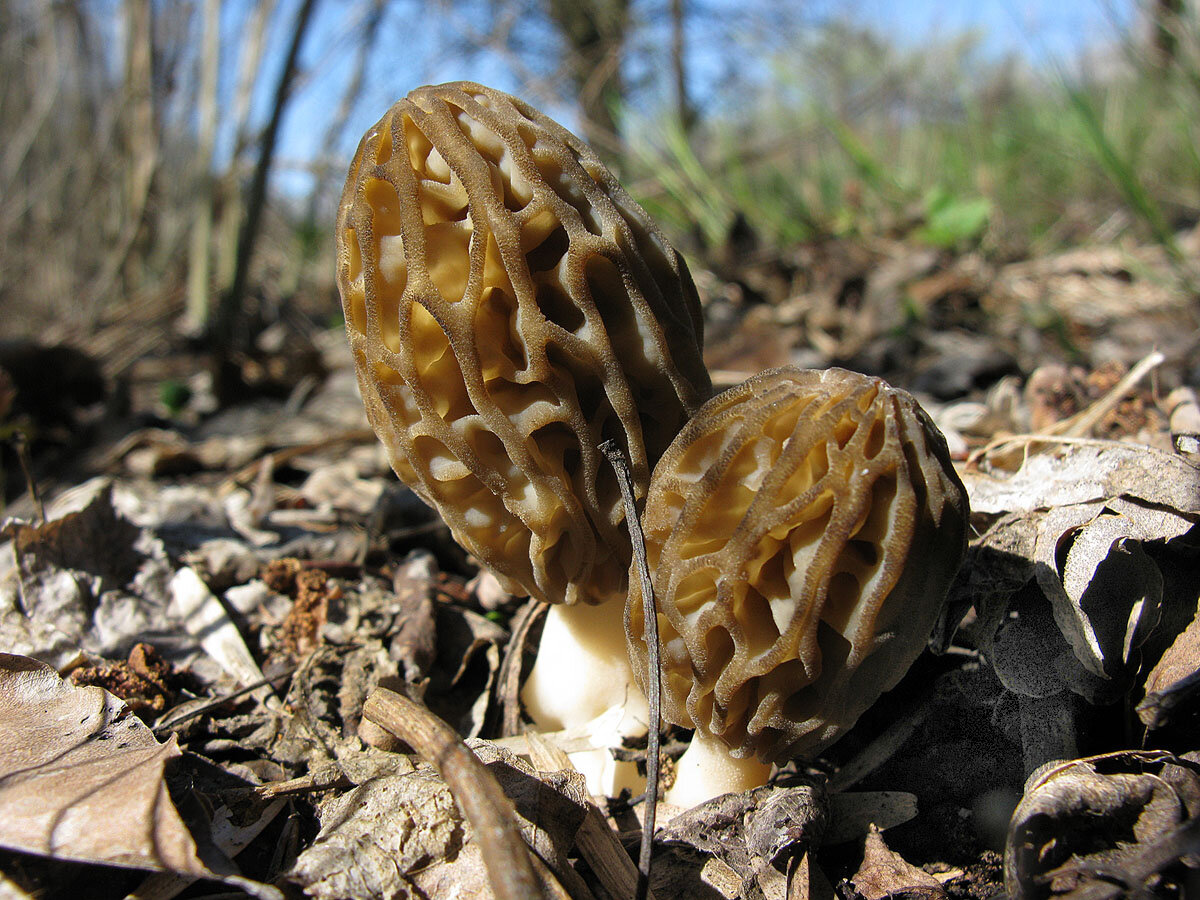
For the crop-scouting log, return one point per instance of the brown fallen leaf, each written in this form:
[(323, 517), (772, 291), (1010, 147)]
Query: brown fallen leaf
[(853, 813), (806, 881), (758, 834), (1104, 826), (511, 871), (1104, 590), (1069, 580), (884, 873), (1174, 678), (81, 778), (1086, 471), (375, 838)]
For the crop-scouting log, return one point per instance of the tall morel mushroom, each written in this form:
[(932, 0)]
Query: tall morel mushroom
[(509, 308), (802, 532)]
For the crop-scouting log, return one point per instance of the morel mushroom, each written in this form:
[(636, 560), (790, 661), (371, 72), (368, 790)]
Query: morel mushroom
[(802, 532), (509, 308)]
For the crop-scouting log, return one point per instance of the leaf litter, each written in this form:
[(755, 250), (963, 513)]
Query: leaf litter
[(246, 596)]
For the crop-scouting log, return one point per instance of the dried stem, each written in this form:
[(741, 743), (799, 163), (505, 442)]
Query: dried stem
[(653, 685), (20, 443), (597, 842), (478, 794), (509, 677)]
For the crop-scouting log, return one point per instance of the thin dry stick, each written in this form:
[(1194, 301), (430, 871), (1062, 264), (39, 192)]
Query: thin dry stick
[(21, 445), (478, 794), (596, 840), (1075, 428), (509, 677), (1081, 424), (166, 724), (653, 685)]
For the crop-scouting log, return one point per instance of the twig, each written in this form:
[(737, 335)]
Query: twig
[(166, 724), (1073, 430), (478, 794), (598, 843), (20, 443), (1081, 424), (653, 684), (509, 677), (287, 454)]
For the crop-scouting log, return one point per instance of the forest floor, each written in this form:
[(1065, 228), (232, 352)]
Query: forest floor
[(244, 576)]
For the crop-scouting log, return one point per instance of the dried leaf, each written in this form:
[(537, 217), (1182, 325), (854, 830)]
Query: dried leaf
[(468, 663), (1081, 524), (1175, 678), (338, 486), (1087, 472), (715, 827), (787, 822), (414, 645), (852, 814), (755, 833), (1104, 590), (232, 828), (82, 779), (86, 579), (885, 874), (94, 540), (403, 835), (1097, 827), (596, 841), (551, 806), (374, 838)]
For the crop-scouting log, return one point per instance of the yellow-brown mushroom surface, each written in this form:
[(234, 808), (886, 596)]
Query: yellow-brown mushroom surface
[(802, 532), (509, 308)]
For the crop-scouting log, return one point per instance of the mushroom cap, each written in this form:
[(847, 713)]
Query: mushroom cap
[(802, 532), (509, 308)]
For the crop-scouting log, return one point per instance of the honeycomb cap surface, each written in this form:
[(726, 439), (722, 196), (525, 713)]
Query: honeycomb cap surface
[(509, 308), (802, 532)]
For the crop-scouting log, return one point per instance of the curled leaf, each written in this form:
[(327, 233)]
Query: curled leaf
[(1105, 826)]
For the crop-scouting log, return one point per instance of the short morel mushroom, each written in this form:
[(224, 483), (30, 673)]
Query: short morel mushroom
[(802, 532), (509, 308)]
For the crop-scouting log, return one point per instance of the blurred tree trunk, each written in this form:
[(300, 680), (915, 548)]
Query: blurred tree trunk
[(595, 32), (139, 138), (683, 104), (199, 284), (1167, 19), (38, 93), (227, 330), (250, 65)]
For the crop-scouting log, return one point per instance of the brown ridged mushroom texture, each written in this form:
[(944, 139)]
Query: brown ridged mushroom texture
[(802, 532), (509, 307)]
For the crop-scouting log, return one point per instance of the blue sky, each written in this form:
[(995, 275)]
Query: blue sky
[(1035, 29), (1040, 31)]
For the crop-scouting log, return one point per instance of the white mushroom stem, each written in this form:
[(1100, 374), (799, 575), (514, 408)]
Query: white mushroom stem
[(582, 671), (607, 776), (706, 770)]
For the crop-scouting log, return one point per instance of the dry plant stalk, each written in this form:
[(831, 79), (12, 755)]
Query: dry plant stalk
[(511, 872), (598, 844), (653, 681)]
